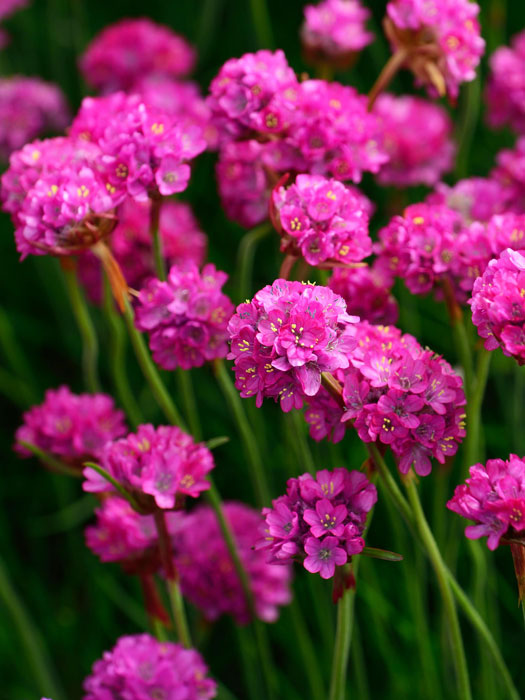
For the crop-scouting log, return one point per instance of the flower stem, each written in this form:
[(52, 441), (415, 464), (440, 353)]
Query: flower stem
[(345, 619), (262, 24), (440, 569), (386, 76), (154, 217), (245, 257), (185, 386), (245, 431), (472, 439), (150, 371), (54, 464), (116, 484), (86, 328)]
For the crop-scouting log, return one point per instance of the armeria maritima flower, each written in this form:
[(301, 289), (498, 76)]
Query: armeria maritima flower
[(494, 498), (140, 667), (129, 50), (156, 465), (319, 521), (505, 91), (322, 220), (367, 292), (186, 316), (510, 173), (475, 198), (285, 338), (73, 427), (498, 304), (207, 575)]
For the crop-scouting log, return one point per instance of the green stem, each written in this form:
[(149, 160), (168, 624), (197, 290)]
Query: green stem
[(245, 257), (55, 464), (472, 452), (86, 328), (464, 351), (247, 436), (250, 664), (303, 448), (467, 125), (185, 387), (116, 484), (390, 483), (38, 660), (262, 24), (117, 357), (345, 618), (179, 614), (308, 653), (154, 217), (150, 371), (458, 651)]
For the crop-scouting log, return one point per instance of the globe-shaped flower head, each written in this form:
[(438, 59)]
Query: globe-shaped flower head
[(505, 92)]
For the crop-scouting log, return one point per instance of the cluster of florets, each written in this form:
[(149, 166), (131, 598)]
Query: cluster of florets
[(510, 173), (413, 160), (131, 244), (73, 427), (399, 394), (442, 40), (29, 107), (334, 30), (285, 338), (367, 292), (505, 92), (157, 465), (140, 666), (475, 198), (322, 220), (186, 316), (125, 52), (498, 304), (207, 574), (494, 498), (319, 521)]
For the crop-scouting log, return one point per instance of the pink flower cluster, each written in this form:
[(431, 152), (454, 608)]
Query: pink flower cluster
[(208, 577), (131, 244), (186, 316), (475, 198), (510, 173), (399, 394), (156, 465), (140, 667), (127, 51), (73, 427), (319, 521), (505, 91), (285, 338), (29, 107), (334, 30), (414, 160), (7, 7), (367, 293), (498, 304), (494, 498), (441, 36), (322, 220)]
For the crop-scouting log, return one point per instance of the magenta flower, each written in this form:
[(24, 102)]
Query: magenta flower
[(72, 427), (7, 7), (505, 91), (128, 51), (285, 337), (510, 173), (412, 160), (367, 292), (322, 518), (322, 220), (207, 574), (140, 667), (475, 198), (186, 316), (494, 498), (156, 465)]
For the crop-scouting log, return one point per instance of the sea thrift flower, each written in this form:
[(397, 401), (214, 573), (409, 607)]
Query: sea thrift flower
[(242, 90), (319, 521), (367, 293), (510, 172), (207, 574), (127, 51), (494, 498), (131, 244), (413, 160), (285, 338), (505, 91), (186, 316), (475, 198), (29, 107), (441, 40), (397, 393), (322, 220), (73, 427), (498, 304), (139, 667), (334, 31)]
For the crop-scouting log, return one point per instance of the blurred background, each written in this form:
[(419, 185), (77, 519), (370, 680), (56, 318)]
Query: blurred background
[(79, 606)]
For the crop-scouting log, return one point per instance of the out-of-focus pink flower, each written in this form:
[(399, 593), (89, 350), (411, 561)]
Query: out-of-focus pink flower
[(475, 198), (7, 7), (367, 293), (505, 91)]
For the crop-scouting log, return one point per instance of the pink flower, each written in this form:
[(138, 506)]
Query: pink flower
[(475, 198), (326, 518), (322, 220), (140, 667), (323, 556), (510, 173), (132, 49), (7, 7), (367, 292), (414, 161), (156, 464), (505, 91), (73, 427), (494, 498)]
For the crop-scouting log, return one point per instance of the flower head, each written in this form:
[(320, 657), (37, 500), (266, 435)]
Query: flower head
[(367, 292), (505, 91), (475, 198), (139, 667)]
